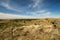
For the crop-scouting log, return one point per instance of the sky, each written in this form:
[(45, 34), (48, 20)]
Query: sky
[(29, 9)]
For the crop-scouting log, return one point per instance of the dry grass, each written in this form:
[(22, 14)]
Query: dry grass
[(30, 29)]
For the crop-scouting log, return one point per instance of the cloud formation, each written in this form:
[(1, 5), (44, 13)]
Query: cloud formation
[(14, 16), (36, 3), (40, 13), (34, 8), (6, 4)]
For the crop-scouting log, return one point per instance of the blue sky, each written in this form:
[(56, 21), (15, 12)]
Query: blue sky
[(30, 8)]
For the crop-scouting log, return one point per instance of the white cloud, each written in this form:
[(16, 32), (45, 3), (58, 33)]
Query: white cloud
[(37, 14), (36, 3), (7, 5), (40, 13), (13, 16)]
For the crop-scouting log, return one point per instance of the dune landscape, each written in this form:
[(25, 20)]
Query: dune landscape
[(29, 19), (30, 29)]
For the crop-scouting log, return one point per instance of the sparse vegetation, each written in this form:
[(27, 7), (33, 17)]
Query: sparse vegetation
[(30, 29)]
